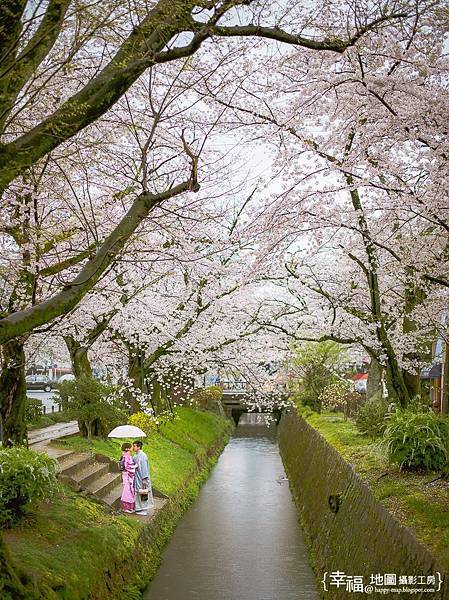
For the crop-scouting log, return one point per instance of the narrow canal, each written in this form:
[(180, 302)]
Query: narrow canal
[(240, 540)]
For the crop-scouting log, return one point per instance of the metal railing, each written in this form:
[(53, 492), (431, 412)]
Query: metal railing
[(233, 386)]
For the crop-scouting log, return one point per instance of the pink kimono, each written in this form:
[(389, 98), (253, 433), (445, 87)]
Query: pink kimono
[(128, 495)]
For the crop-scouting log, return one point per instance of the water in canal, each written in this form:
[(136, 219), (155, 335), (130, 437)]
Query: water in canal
[(240, 540)]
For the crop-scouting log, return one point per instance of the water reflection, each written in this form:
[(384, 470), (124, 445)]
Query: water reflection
[(240, 540)]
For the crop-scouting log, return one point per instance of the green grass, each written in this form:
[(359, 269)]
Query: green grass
[(58, 546), (410, 497), (193, 430), (64, 546), (50, 419)]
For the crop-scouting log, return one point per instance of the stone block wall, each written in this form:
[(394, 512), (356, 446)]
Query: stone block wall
[(347, 528)]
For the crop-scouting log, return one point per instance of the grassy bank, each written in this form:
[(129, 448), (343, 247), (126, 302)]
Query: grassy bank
[(174, 452), (70, 547), (414, 499), (49, 419)]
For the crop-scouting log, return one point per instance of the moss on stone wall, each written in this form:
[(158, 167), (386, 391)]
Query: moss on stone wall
[(359, 538)]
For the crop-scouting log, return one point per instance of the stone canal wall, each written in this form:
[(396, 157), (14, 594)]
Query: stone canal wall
[(346, 528)]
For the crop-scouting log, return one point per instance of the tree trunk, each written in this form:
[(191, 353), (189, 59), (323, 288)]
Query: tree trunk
[(13, 393), (397, 390), (374, 383), (158, 396), (136, 376), (79, 357), (413, 383), (10, 586), (89, 426), (414, 296)]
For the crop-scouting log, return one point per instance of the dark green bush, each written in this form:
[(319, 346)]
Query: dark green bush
[(43, 421), (33, 409), (61, 416), (25, 476), (371, 418), (418, 441), (307, 398), (93, 404)]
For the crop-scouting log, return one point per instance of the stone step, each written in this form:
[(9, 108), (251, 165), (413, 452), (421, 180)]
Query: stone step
[(112, 499), (159, 502), (75, 463), (105, 484), (91, 473), (62, 456)]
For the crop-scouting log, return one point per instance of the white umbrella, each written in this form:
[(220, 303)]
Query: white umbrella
[(127, 431)]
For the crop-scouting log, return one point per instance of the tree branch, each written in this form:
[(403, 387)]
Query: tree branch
[(331, 44), (26, 320), (16, 75)]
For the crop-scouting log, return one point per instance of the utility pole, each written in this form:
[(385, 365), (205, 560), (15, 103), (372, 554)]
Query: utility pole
[(445, 380)]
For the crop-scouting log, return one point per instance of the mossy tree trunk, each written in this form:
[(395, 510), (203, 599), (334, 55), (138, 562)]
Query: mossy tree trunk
[(79, 357), (136, 375), (89, 429), (374, 383), (158, 395), (13, 393), (11, 587), (397, 389), (414, 295)]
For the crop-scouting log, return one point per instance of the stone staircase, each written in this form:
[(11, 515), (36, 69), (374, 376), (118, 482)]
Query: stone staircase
[(94, 476)]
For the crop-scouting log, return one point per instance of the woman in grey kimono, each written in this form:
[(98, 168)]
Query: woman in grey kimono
[(142, 480)]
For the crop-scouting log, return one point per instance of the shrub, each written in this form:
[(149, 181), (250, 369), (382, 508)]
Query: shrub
[(145, 422), (418, 441), (315, 366), (307, 398), (371, 419), (33, 410), (94, 405), (206, 397), (338, 396), (25, 476), (419, 404), (149, 423)]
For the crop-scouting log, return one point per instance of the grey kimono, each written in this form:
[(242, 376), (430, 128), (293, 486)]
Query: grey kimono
[(142, 480)]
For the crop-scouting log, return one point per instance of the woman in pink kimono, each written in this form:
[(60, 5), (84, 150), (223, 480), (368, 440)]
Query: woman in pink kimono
[(128, 497)]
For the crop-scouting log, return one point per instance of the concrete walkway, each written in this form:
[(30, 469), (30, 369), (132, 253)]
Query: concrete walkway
[(52, 432)]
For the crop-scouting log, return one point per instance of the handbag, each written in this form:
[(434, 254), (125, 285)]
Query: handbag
[(143, 493)]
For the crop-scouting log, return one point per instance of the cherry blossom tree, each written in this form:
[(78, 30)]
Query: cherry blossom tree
[(67, 70), (58, 81), (356, 161)]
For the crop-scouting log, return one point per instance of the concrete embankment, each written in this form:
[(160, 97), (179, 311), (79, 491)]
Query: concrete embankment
[(346, 528)]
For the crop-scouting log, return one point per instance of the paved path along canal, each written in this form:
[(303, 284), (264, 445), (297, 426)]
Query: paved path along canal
[(240, 540)]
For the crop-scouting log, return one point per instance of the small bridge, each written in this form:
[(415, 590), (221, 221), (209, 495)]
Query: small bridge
[(236, 397)]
